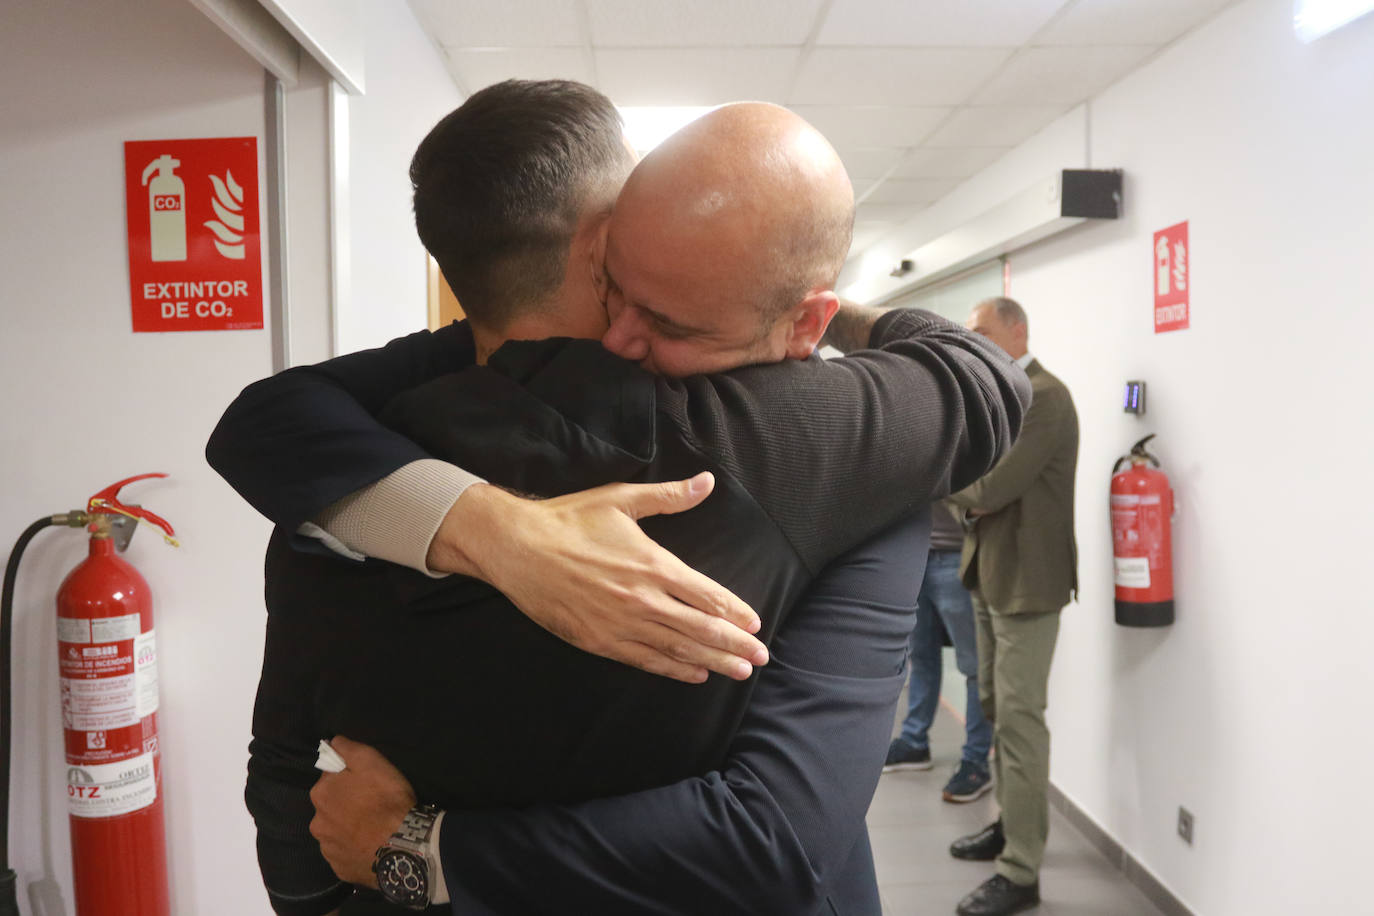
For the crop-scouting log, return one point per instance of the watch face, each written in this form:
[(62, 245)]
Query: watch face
[(403, 877)]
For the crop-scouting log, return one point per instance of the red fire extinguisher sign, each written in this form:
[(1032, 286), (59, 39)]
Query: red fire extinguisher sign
[(195, 254), (1170, 276)]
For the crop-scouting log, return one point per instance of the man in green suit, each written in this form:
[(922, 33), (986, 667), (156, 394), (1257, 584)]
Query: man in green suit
[(1020, 561)]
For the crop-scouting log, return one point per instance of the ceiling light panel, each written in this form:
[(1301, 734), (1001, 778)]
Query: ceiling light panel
[(695, 76), (895, 76), (1313, 19), (647, 127), (869, 127), (1060, 76), (716, 23), (508, 24), (935, 23), (1128, 22)]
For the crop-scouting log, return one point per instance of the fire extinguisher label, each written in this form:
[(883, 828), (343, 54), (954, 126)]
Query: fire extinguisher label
[(1132, 572), (97, 704), (111, 789), (114, 629), (69, 629), (145, 674)]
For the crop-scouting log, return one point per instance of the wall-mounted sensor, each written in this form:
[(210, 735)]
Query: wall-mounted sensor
[(904, 267), (1134, 402)]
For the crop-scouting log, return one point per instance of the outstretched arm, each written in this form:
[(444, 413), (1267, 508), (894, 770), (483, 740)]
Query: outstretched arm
[(305, 446), (1041, 438), (581, 568), (924, 408), (774, 830), (296, 442)]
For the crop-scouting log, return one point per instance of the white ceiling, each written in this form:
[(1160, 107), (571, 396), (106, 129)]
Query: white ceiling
[(917, 95)]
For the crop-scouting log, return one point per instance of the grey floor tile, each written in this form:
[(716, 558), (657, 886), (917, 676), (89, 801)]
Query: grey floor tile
[(934, 899), (912, 827), (1101, 895), (914, 798), (907, 855)]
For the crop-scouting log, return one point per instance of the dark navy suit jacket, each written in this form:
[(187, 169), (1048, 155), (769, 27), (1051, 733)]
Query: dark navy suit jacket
[(777, 824)]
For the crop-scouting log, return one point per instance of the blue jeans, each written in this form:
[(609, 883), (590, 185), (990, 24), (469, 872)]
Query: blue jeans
[(943, 593)]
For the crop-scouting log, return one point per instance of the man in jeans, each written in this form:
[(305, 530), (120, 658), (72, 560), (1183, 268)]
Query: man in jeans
[(944, 594)]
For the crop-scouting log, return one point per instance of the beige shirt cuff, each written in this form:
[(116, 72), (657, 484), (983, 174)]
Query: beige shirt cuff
[(395, 518), (440, 884)]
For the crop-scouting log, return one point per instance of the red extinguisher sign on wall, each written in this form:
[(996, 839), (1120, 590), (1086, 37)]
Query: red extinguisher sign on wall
[(195, 254)]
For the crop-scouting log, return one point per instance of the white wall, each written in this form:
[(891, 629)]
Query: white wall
[(408, 91), (87, 402), (1250, 710)]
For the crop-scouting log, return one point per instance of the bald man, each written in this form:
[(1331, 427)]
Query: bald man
[(944, 413), (725, 242)]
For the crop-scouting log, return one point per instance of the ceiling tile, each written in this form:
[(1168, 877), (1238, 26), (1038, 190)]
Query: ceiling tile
[(475, 69), (717, 23), (935, 23), (866, 234), (1129, 22), (1048, 76), (950, 162), (993, 126), (861, 186), (894, 76), (859, 127), (869, 163), (911, 191), (508, 24), (888, 214), (686, 76)]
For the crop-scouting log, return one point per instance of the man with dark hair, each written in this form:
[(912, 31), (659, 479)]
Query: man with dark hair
[(709, 823), (502, 182)]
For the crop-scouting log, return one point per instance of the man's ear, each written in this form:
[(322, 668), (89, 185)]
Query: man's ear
[(596, 255), (809, 321)]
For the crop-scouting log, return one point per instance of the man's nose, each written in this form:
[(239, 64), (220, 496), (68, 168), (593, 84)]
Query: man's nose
[(627, 337)]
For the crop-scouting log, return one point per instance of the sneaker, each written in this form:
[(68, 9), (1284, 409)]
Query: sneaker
[(969, 782), (904, 757)]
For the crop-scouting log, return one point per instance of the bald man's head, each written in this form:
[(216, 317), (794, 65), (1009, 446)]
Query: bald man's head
[(731, 233)]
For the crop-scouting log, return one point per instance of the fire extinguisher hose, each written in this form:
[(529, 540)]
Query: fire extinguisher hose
[(9, 902)]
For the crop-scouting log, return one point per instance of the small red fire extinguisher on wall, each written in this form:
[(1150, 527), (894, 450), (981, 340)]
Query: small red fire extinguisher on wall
[(107, 659), (1142, 506)]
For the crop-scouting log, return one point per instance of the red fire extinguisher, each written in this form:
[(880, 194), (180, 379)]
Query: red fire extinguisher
[(1142, 506), (108, 664)]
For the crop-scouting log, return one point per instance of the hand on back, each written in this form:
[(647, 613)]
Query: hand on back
[(581, 567)]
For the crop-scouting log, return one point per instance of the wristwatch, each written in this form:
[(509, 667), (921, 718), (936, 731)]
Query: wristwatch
[(405, 873)]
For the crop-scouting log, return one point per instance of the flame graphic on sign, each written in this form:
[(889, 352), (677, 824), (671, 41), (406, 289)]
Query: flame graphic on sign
[(228, 201)]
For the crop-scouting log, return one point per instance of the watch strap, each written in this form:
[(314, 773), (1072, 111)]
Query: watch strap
[(416, 826)]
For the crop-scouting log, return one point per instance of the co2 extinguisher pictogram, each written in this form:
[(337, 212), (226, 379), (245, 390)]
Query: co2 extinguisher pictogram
[(1142, 507), (107, 659), (166, 210)]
